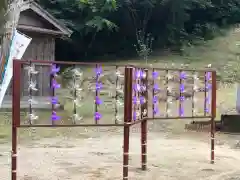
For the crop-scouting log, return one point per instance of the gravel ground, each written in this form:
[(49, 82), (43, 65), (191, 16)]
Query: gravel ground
[(171, 156)]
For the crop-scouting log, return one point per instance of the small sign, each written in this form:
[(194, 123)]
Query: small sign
[(18, 47)]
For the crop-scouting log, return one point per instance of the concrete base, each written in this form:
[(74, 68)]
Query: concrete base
[(41, 103), (231, 123)]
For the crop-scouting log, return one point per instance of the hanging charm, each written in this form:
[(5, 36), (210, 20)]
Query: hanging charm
[(31, 71), (77, 94), (54, 99)]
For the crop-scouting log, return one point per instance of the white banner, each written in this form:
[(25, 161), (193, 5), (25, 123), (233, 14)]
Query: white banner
[(18, 47)]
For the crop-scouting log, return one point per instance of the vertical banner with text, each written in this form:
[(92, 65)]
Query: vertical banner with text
[(18, 47)]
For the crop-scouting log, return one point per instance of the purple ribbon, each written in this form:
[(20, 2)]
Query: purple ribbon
[(98, 71), (182, 88), (134, 116), (207, 100), (155, 87), (54, 116), (181, 98), (181, 112), (208, 76), (155, 99), (134, 100), (55, 69), (137, 88), (154, 75), (98, 86), (98, 100), (142, 100), (97, 116), (208, 86), (182, 75), (54, 100), (137, 74), (155, 110), (55, 85)]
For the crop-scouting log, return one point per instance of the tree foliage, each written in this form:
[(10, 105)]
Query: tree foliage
[(3, 17), (111, 26)]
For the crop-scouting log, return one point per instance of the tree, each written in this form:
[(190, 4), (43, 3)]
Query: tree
[(3, 13), (110, 26)]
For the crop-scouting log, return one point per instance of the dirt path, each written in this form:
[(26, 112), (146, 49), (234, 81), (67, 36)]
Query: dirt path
[(170, 157)]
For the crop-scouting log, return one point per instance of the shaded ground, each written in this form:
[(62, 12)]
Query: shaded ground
[(172, 155)]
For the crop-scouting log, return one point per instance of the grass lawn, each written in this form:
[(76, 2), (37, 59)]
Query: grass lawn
[(222, 52)]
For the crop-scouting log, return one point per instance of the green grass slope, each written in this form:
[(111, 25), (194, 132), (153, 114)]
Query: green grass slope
[(223, 53)]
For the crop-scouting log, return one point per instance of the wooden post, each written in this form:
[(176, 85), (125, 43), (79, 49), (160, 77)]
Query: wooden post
[(15, 113), (213, 112), (127, 119)]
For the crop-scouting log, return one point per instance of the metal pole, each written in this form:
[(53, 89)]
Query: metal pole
[(144, 123)]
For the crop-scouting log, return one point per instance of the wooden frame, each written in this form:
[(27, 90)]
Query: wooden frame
[(47, 16)]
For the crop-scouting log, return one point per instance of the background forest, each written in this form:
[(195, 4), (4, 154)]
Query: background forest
[(109, 27), (193, 32)]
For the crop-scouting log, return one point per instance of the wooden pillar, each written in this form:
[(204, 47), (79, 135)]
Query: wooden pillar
[(127, 119)]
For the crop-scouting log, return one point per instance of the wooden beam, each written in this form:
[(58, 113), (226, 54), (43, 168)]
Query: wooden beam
[(39, 30), (46, 15)]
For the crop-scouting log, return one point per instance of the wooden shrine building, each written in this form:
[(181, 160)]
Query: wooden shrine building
[(43, 28)]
